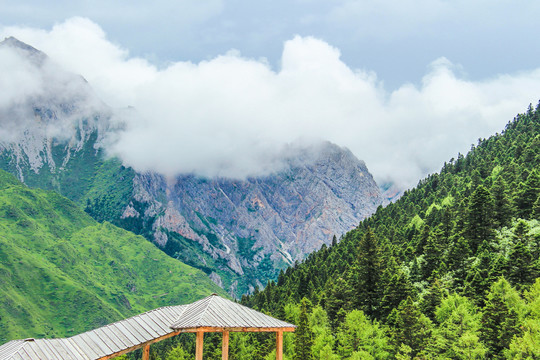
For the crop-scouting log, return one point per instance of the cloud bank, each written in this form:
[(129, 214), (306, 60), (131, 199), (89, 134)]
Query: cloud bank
[(232, 115)]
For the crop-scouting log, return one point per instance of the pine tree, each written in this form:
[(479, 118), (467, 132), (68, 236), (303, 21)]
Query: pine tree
[(432, 299), (457, 257), (338, 298), (409, 326), (502, 207), (527, 195), (432, 252), (423, 239), (366, 275), (522, 269), (396, 287), (536, 209), (478, 278), (303, 334), (479, 221), (499, 321)]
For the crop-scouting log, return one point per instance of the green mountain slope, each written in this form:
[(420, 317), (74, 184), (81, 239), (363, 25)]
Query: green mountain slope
[(451, 270), (62, 273)]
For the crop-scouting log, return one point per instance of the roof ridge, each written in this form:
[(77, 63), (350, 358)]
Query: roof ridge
[(206, 308)]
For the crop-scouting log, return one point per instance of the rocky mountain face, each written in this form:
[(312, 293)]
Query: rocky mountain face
[(273, 220), (53, 117), (240, 232)]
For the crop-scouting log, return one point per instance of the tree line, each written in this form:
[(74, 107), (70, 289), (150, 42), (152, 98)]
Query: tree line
[(449, 271)]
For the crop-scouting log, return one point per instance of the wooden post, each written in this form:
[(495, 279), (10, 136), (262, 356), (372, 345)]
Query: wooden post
[(146, 353), (279, 345), (225, 346), (199, 346)]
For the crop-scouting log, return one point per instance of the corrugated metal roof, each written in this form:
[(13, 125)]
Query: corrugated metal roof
[(217, 312), (98, 343), (132, 333)]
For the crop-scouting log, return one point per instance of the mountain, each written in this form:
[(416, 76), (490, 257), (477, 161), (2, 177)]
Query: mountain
[(62, 273), (251, 228), (240, 232), (450, 270)]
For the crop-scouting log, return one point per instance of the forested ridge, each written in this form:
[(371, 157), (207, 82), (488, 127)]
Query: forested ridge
[(450, 271)]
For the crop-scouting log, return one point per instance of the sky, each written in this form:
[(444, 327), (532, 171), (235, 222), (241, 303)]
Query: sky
[(221, 87)]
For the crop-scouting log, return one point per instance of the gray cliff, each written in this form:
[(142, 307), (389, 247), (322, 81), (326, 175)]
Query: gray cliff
[(324, 191)]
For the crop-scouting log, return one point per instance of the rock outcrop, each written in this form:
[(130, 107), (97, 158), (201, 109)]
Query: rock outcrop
[(324, 191)]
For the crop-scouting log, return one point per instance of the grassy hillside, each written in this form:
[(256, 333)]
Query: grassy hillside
[(62, 273)]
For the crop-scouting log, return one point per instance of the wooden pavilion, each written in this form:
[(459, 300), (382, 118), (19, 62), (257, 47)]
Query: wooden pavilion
[(211, 314)]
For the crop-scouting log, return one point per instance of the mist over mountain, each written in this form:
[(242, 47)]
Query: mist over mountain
[(254, 109), (240, 230)]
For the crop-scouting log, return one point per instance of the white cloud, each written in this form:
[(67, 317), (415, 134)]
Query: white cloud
[(231, 115)]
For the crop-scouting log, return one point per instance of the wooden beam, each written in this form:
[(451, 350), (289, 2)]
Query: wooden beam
[(235, 329), (199, 346), (279, 345), (146, 353), (193, 330), (133, 348), (225, 346)]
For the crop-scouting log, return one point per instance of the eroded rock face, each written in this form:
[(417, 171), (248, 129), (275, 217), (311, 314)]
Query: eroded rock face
[(325, 191)]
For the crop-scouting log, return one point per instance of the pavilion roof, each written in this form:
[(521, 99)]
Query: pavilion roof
[(218, 313), (212, 313)]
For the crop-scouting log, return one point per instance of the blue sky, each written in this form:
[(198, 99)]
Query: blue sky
[(397, 39), (405, 85)]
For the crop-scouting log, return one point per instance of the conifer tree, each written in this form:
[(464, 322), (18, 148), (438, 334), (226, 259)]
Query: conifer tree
[(527, 195), (457, 257), (478, 278), (366, 275), (499, 321), (432, 299), (502, 207), (409, 326), (432, 252), (522, 267), (396, 287), (303, 334), (536, 209), (479, 221), (338, 298), (423, 239)]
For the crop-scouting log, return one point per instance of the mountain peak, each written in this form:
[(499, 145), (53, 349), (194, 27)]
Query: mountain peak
[(31, 52)]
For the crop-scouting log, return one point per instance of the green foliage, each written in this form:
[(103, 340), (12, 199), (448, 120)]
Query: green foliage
[(527, 346), (500, 318), (527, 194), (439, 253), (366, 275), (457, 333), (358, 335), (479, 218), (409, 326), (62, 273), (177, 353), (303, 335)]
